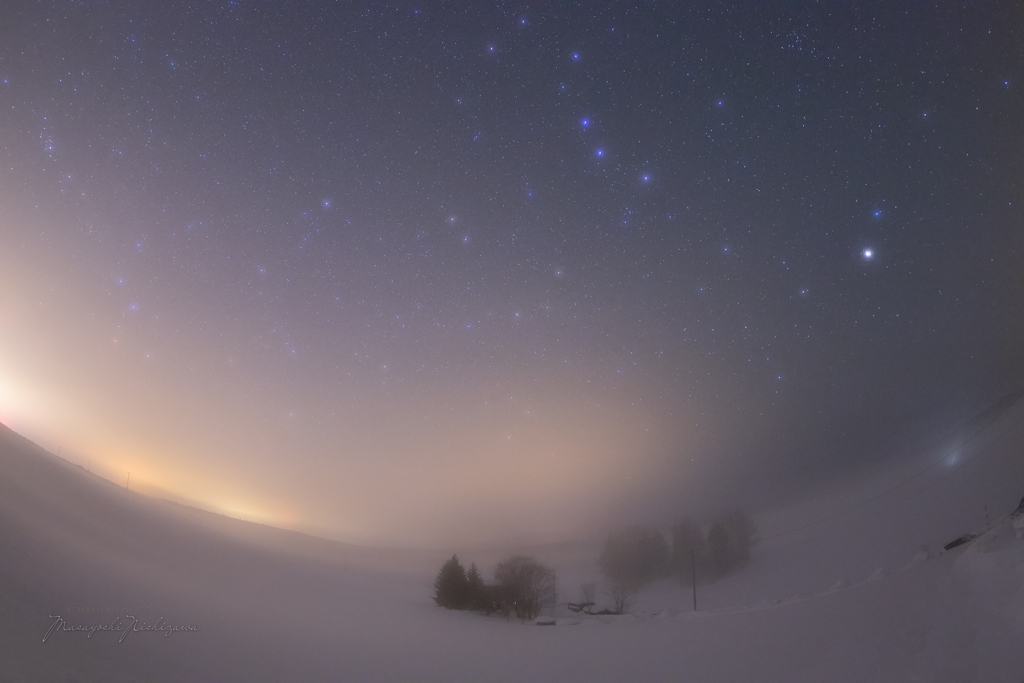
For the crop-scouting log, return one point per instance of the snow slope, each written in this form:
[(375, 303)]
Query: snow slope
[(839, 590)]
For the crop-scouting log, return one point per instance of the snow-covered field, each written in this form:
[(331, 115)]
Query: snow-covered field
[(865, 593)]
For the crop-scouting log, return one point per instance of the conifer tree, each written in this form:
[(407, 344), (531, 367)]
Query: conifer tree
[(450, 586), (474, 587)]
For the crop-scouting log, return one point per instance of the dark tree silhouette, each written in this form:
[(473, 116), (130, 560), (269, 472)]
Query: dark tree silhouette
[(497, 599), (474, 588), (529, 583), (451, 585)]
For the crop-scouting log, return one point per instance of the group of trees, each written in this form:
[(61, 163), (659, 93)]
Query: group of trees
[(529, 584), (522, 585), (636, 555), (631, 558), (456, 588)]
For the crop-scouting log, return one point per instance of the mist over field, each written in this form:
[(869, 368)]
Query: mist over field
[(851, 586), (356, 340)]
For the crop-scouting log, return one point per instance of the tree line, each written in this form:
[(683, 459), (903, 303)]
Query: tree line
[(636, 555), (631, 558), (521, 585)]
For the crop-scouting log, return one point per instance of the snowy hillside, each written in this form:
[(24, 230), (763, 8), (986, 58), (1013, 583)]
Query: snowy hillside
[(852, 586)]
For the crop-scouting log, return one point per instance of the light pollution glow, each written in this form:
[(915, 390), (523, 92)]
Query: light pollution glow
[(425, 277), (75, 379)]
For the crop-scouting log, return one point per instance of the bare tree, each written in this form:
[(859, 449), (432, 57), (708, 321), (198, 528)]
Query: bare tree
[(531, 584), (622, 594), (588, 591)]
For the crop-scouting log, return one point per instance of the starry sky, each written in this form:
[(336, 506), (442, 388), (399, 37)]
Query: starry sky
[(404, 273)]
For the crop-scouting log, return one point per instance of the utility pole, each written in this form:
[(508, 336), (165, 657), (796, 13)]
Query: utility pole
[(693, 576), (129, 479)]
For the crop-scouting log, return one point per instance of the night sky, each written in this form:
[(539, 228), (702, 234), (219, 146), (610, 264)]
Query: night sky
[(408, 273)]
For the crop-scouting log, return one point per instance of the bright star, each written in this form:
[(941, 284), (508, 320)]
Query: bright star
[(584, 122), (868, 254)]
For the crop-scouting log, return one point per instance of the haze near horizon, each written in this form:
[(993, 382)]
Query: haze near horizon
[(426, 275)]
